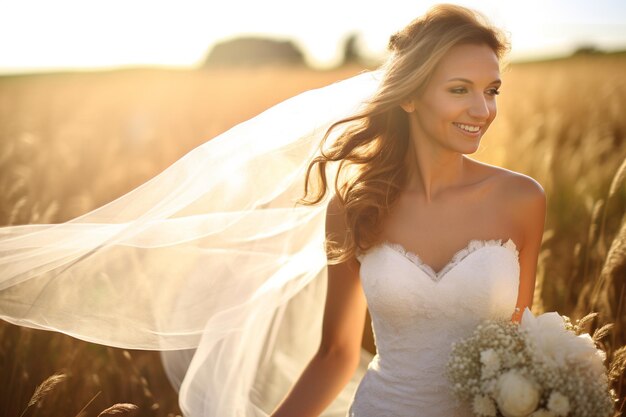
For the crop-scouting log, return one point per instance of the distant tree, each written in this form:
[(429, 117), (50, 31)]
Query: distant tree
[(253, 51), (351, 53), (587, 50)]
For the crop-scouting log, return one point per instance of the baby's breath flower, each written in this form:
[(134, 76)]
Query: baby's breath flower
[(491, 362), (558, 404), (489, 387), (484, 406)]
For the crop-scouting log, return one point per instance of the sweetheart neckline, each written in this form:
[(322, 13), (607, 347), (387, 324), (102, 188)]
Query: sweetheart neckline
[(472, 246)]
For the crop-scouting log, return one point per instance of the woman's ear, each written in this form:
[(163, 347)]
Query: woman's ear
[(408, 105)]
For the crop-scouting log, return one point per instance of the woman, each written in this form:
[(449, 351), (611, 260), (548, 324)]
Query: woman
[(417, 193), (211, 263)]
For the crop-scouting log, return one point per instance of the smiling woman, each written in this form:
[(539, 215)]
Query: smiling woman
[(410, 187)]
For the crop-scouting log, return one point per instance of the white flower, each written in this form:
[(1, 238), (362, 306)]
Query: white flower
[(558, 404), (484, 406), (491, 362), (542, 413), (589, 354), (516, 396), (488, 386), (557, 346)]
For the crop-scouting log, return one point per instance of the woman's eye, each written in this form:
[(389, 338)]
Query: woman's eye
[(463, 90)]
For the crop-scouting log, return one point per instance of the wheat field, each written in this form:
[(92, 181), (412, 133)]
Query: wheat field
[(72, 142)]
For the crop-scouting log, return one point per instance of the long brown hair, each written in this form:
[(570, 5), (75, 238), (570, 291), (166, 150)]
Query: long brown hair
[(375, 141)]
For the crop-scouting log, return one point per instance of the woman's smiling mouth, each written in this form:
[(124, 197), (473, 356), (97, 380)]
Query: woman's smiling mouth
[(470, 130)]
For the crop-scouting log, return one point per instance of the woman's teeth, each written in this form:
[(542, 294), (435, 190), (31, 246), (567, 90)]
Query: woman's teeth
[(468, 128)]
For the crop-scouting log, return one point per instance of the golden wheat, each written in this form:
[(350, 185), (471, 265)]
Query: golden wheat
[(618, 180), (602, 332), (44, 389), (618, 365), (70, 143), (118, 409), (583, 322)]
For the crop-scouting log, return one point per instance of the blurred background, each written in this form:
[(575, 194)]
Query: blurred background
[(97, 97), (73, 34)]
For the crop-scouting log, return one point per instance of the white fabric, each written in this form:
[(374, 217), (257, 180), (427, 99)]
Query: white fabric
[(416, 316), (209, 262)]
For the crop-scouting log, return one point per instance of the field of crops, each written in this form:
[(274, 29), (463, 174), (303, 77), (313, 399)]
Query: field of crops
[(72, 142)]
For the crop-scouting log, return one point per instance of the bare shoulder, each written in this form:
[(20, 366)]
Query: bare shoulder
[(520, 188), (524, 200), (511, 185)]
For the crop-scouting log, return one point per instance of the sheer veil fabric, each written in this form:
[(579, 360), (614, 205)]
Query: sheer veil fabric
[(210, 262)]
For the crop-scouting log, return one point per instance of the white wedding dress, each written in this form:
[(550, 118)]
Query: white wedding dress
[(418, 313)]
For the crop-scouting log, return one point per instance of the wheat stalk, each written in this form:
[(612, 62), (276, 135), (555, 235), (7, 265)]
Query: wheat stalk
[(618, 364), (615, 259), (580, 324), (118, 409), (81, 413), (602, 332), (617, 253), (618, 178), (43, 389)]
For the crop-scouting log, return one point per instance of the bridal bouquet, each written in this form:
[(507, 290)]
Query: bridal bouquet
[(539, 368)]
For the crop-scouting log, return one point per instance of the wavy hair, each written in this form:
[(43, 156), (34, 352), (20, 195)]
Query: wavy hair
[(375, 140)]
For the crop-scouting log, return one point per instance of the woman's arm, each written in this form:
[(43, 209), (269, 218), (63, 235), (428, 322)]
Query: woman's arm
[(338, 355), (530, 206)]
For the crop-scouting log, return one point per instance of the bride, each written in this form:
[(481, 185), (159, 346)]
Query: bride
[(402, 229), (258, 304)]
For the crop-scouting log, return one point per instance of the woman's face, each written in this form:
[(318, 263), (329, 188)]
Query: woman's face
[(459, 102)]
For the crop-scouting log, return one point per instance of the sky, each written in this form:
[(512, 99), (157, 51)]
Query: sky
[(45, 35)]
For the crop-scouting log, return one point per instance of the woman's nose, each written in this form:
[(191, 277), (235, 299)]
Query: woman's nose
[(479, 108)]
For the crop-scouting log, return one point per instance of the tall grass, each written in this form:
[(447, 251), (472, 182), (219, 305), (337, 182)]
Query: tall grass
[(71, 142), (563, 124)]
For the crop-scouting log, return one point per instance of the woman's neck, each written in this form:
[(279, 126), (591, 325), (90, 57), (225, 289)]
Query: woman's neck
[(430, 172)]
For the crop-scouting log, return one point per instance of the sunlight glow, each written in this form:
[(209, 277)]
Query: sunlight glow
[(87, 34)]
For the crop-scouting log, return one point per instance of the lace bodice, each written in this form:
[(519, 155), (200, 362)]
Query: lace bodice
[(418, 313), (473, 245)]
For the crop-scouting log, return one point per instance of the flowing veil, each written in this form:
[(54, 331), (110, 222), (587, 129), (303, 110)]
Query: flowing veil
[(210, 262)]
